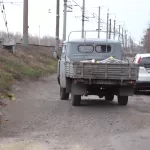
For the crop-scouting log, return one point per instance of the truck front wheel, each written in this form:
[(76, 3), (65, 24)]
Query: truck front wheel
[(75, 100), (63, 94), (123, 100)]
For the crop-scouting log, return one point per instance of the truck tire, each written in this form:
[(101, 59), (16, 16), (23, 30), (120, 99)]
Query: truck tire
[(63, 94), (109, 97), (123, 100), (75, 100)]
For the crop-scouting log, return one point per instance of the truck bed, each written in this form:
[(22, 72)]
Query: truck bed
[(116, 71)]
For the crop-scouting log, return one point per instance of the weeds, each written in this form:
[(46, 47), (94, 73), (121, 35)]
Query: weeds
[(13, 67), (6, 79)]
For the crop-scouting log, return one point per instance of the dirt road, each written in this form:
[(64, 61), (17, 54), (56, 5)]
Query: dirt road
[(38, 120)]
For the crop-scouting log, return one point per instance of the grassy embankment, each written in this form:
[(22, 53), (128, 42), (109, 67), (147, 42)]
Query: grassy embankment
[(28, 64)]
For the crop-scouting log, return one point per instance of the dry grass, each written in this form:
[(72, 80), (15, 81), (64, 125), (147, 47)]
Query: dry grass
[(29, 63)]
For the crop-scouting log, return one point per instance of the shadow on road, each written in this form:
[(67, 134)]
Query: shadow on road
[(143, 93), (98, 103)]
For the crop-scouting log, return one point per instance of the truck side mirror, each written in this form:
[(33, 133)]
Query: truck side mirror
[(55, 55)]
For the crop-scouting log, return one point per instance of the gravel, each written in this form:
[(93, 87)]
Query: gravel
[(39, 120)]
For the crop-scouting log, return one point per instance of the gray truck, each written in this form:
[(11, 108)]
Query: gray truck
[(81, 73)]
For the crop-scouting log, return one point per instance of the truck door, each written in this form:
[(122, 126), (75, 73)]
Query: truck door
[(62, 68)]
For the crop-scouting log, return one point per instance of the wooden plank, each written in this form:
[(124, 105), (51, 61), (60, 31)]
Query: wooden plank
[(98, 71)]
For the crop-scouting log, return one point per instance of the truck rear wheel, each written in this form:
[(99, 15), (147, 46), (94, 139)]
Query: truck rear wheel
[(75, 100), (63, 94), (109, 97), (123, 100)]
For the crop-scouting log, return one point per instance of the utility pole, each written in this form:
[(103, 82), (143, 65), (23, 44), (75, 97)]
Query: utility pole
[(119, 33), (99, 21), (130, 44), (25, 24), (123, 37), (114, 29), (110, 29), (39, 35), (65, 20), (83, 16), (57, 25), (107, 25)]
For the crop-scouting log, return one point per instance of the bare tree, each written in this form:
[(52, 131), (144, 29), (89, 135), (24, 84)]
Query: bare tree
[(45, 40), (146, 40)]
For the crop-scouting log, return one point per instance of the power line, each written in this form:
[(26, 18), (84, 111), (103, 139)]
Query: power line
[(83, 15), (101, 20), (4, 15), (9, 2), (13, 3), (93, 14), (77, 4)]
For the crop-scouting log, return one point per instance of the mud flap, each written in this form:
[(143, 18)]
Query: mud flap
[(78, 89), (68, 85), (126, 91)]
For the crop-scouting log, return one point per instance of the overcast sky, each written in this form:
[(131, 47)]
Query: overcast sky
[(135, 14)]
